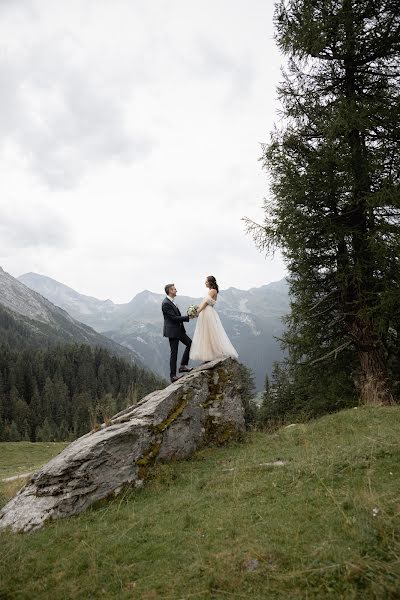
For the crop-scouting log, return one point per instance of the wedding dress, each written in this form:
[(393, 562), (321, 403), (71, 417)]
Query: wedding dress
[(210, 340)]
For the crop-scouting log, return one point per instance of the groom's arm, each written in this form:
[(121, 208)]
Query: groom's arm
[(169, 311)]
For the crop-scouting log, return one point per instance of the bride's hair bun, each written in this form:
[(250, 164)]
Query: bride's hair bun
[(213, 283)]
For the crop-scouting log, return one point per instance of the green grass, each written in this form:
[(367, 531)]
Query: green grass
[(24, 457), (17, 458), (225, 525)]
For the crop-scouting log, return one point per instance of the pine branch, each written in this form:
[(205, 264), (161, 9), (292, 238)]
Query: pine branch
[(332, 352)]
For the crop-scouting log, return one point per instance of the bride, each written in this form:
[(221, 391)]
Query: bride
[(210, 340)]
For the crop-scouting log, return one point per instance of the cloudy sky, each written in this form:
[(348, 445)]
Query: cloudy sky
[(130, 135)]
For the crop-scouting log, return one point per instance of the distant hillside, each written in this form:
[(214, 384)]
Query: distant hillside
[(251, 318), (33, 317)]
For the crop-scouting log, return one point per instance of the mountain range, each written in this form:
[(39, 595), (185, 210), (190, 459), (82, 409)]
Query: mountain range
[(26, 311), (252, 318)]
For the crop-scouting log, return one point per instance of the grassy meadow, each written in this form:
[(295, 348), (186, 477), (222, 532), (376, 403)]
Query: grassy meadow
[(17, 458), (228, 524)]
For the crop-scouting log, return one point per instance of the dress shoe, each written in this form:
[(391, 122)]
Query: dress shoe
[(185, 369)]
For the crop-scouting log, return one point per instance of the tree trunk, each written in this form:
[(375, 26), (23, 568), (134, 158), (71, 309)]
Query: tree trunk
[(372, 383)]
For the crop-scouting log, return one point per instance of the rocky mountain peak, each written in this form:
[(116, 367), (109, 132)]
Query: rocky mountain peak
[(21, 299), (49, 322)]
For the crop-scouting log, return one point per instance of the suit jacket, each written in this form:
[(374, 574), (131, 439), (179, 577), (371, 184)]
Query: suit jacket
[(173, 320)]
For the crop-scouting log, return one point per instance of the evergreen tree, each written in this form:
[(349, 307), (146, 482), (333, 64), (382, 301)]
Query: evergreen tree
[(45, 432), (59, 400), (267, 387), (36, 408), (48, 397), (2, 400), (21, 414), (84, 418), (64, 434), (25, 431), (335, 208), (12, 433), (132, 396), (248, 389), (54, 393)]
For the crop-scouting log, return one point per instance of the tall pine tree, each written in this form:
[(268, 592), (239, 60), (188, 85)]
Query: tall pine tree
[(335, 174)]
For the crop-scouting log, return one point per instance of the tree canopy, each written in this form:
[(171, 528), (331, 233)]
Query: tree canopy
[(334, 207)]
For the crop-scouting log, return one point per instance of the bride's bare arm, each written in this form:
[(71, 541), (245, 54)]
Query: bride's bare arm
[(201, 307), (213, 295)]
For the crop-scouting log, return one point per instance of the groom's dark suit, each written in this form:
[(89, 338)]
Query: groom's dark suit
[(175, 331)]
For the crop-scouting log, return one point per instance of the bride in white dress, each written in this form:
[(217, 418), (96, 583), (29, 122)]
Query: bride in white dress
[(210, 340)]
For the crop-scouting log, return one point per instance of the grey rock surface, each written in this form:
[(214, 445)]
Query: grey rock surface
[(203, 407)]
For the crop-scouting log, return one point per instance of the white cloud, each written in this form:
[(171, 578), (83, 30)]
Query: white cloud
[(19, 232), (136, 130), (61, 112)]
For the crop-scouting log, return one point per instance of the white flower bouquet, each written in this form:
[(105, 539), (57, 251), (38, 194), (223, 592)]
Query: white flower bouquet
[(192, 310)]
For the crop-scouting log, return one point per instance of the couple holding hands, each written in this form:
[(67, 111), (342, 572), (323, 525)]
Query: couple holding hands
[(209, 340)]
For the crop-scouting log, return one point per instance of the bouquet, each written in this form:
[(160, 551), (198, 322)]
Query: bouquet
[(192, 310)]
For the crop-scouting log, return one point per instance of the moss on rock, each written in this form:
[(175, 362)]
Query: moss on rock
[(175, 412), (220, 432), (147, 460), (217, 382)]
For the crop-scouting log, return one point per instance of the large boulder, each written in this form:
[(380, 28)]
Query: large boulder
[(203, 407)]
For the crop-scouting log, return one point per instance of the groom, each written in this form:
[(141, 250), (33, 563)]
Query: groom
[(175, 331)]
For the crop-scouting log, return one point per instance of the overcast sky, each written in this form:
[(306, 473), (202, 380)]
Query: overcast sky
[(130, 135)]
